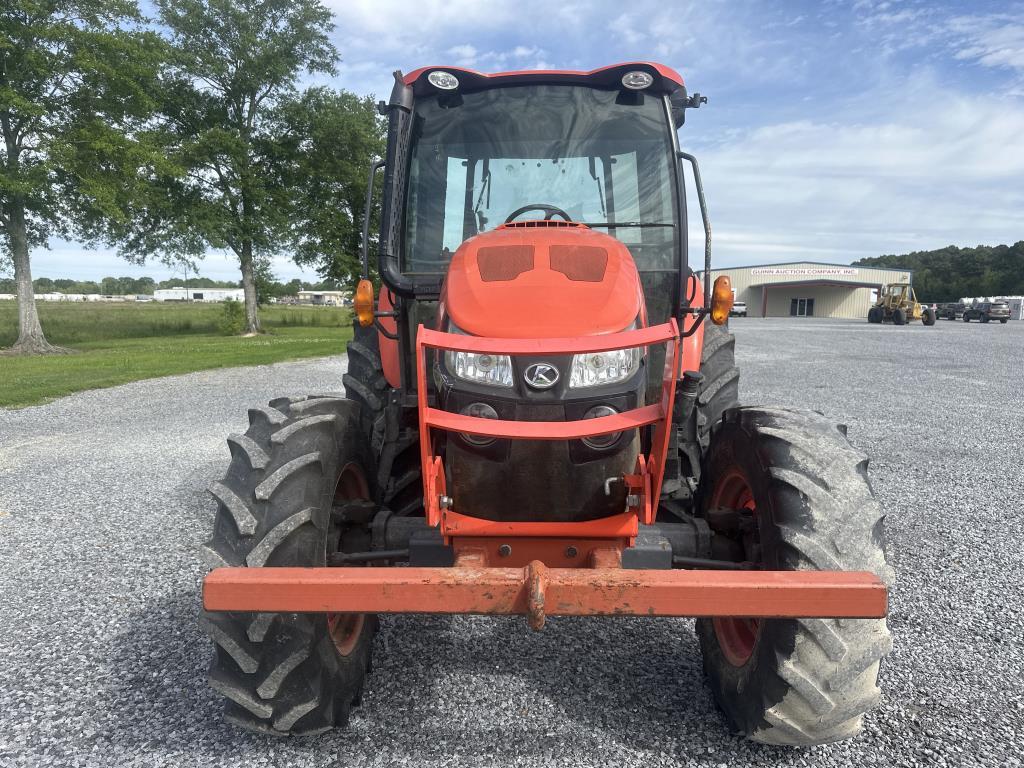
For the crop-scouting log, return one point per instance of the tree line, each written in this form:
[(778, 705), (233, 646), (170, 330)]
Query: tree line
[(951, 273), (171, 136), (267, 286)]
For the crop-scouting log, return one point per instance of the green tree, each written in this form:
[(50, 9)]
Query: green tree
[(234, 63), (267, 287), (331, 137), (75, 79), (952, 273)]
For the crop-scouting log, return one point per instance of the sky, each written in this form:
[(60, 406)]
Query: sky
[(833, 130)]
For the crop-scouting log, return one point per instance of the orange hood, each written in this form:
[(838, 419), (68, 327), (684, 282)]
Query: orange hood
[(542, 280)]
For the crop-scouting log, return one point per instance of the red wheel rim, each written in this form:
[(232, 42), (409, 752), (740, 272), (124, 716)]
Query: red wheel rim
[(346, 628), (737, 636)]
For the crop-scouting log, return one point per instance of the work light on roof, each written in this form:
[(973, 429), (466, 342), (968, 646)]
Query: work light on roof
[(446, 81), (637, 80)]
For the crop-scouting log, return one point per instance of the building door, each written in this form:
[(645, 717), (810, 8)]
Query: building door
[(801, 307)]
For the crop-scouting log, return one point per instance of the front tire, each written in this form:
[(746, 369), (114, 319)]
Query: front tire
[(396, 447), (292, 673), (874, 315), (928, 317), (806, 495)]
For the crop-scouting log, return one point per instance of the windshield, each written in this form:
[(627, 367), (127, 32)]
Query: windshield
[(603, 157)]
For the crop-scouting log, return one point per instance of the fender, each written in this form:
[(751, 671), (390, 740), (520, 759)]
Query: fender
[(693, 345), (388, 347)]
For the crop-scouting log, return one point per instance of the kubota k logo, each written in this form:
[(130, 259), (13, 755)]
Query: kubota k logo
[(541, 376)]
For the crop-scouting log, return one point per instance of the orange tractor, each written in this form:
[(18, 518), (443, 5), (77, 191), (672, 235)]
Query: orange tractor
[(541, 418)]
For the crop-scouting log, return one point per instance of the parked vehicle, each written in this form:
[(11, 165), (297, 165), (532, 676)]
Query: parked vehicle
[(988, 310), (953, 310), (898, 305), (739, 309)]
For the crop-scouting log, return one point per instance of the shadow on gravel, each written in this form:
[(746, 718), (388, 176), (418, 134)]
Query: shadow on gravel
[(465, 688), (158, 699), (441, 686), (492, 689)]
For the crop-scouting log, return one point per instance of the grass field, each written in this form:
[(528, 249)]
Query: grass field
[(117, 343)]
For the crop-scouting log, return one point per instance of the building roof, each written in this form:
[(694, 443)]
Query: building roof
[(807, 261)]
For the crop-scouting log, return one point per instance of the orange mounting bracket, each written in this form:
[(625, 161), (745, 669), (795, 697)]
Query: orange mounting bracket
[(644, 486)]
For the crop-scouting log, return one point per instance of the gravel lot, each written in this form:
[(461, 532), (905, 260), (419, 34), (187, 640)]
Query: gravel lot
[(102, 507)]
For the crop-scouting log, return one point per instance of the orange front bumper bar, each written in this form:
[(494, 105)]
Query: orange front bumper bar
[(537, 590)]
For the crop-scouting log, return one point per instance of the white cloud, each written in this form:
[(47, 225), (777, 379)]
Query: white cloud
[(526, 52), (465, 55), (993, 41), (851, 132), (989, 39), (73, 261), (468, 56), (925, 168)]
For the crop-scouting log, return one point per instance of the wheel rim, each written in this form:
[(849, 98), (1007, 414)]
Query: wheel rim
[(346, 628), (736, 635)]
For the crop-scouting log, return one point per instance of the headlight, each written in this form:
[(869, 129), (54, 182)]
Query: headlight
[(596, 368), (482, 368), (637, 80), (446, 81)]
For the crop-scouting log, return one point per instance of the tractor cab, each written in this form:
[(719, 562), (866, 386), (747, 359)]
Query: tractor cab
[(897, 294), (592, 158)]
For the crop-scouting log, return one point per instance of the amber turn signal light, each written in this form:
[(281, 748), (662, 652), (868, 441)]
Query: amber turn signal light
[(721, 300), (363, 303)]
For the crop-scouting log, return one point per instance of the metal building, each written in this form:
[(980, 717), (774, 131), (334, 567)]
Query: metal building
[(326, 298), (810, 288), (198, 294)]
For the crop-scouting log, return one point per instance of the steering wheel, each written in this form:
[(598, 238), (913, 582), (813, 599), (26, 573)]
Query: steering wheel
[(549, 211)]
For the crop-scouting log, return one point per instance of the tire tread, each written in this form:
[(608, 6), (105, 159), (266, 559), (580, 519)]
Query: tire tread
[(826, 520)]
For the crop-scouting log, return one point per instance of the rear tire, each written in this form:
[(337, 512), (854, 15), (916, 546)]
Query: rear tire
[(285, 674), (1003, 320), (720, 389), (899, 317), (984, 318), (787, 681), (874, 315)]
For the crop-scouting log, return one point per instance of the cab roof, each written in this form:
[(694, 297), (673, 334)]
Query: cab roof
[(666, 79)]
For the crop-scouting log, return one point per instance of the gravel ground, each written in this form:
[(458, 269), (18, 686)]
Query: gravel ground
[(102, 507)]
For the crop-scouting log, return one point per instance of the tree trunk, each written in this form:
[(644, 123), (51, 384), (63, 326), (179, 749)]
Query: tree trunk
[(252, 318), (31, 340)]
